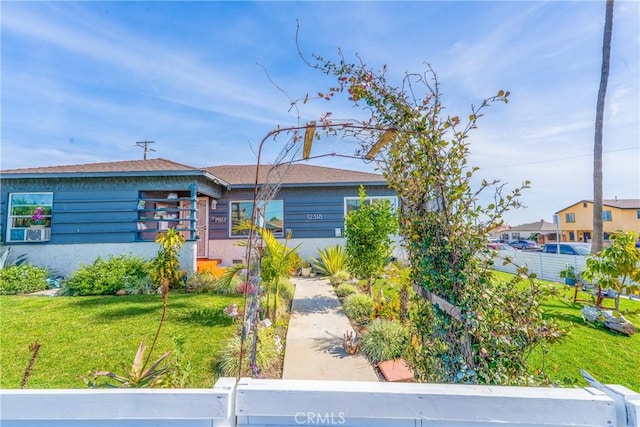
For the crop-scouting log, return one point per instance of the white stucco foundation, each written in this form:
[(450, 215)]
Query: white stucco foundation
[(63, 260), (228, 251)]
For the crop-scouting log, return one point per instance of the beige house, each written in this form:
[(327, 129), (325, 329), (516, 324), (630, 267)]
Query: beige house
[(576, 221)]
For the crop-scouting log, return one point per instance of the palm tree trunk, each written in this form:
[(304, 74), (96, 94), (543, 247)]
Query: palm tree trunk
[(598, 232)]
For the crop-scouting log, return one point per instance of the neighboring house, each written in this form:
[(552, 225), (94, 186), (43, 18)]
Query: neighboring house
[(496, 233), (310, 206), (576, 221), (539, 231), (62, 216)]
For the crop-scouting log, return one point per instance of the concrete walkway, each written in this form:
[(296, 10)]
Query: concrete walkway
[(314, 338)]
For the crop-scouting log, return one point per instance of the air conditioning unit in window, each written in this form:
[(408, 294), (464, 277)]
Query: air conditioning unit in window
[(37, 234)]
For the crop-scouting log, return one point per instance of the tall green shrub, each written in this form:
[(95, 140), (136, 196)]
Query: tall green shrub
[(368, 230), (618, 265)]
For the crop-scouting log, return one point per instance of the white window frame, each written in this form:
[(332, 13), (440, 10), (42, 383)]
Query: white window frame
[(392, 199), (260, 221), (30, 232), (607, 215)]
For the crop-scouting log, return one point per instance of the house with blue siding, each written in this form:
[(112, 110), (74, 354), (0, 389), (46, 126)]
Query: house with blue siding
[(309, 207), (63, 216)]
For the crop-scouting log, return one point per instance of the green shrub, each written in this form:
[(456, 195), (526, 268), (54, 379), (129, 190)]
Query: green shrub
[(202, 281), (105, 277), (358, 307), (339, 277), (139, 286), (284, 307), (287, 290), (228, 287), (384, 340), (295, 264), (266, 357), (345, 290), (23, 279)]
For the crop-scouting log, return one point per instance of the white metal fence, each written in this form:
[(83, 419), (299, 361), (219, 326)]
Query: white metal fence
[(545, 266), (275, 403)]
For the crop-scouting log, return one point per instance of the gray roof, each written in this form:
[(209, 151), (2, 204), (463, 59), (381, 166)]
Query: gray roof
[(242, 175), (149, 167), (239, 175), (539, 226), (157, 165)]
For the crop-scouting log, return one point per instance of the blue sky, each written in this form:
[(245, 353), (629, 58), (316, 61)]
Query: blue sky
[(83, 81)]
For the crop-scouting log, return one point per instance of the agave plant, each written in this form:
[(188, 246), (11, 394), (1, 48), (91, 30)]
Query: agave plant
[(331, 260), (138, 375)]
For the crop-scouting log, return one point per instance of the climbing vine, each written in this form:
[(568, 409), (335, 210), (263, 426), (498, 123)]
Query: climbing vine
[(466, 326)]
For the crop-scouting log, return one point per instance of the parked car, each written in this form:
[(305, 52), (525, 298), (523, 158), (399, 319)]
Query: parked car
[(501, 246), (569, 248), (525, 245)]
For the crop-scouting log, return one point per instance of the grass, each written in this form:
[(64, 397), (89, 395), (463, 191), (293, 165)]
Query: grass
[(610, 357), (79, 335)]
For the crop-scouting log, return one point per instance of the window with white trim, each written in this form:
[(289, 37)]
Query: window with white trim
[(352, 203), (29, 217), (271, 216), (606, 216)]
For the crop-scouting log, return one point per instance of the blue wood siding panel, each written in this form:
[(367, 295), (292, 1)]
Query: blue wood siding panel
[(96, 210), (326, 203)]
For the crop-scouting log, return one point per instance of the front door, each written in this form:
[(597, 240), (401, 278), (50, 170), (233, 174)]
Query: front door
[(202, 227)]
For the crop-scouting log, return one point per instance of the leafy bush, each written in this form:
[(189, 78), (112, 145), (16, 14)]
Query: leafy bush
[(266, 357), (384, 340), (139, 286), (295, 264), (368, 230), (287, 290), (105, 277), (345, 290), (358, 307), (243, 288), (386, 308), (202, 282), (331, 261), (23, 279), (339, 277), (164, 269)]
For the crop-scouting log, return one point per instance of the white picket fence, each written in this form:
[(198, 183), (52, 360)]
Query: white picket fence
[(545, 266), (252, 402)]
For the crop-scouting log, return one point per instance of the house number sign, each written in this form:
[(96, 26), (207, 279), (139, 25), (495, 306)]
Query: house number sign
[(314, 217)]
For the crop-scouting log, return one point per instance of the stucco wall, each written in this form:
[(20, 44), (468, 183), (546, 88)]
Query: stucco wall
[(63, 260)]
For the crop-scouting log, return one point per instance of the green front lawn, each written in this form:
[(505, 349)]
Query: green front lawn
[(82, 334), (610, 357)]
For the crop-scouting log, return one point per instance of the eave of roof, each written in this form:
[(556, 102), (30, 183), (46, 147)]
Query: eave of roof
[(614, 203), (134, 168), (298, 175)]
